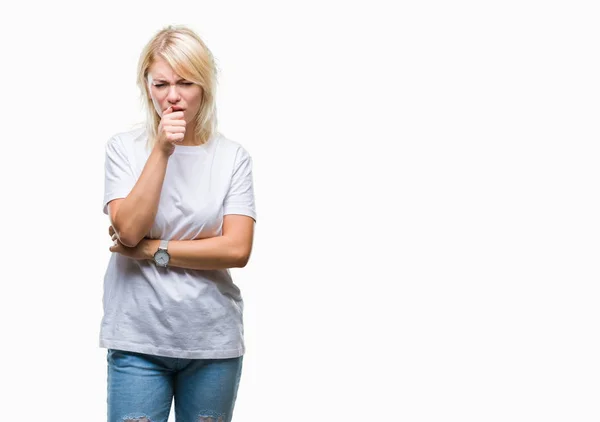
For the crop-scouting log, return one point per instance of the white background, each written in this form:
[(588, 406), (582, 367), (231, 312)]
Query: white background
[(426, 178)]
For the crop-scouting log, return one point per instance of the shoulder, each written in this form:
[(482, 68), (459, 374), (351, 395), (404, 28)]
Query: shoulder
[(128, 137), (127, 141), (231, 149)]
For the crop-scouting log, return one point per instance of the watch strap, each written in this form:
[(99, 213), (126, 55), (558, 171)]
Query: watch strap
[(163, 244)]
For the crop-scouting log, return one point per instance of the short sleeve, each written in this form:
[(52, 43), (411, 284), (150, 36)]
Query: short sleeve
[(240, 197), (119, 178)]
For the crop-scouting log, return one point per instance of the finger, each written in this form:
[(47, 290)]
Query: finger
[(175, 129), (111, 230), (176, 116), (168, 110), (174, 121)]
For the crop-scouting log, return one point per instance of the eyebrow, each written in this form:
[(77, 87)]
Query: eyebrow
[(164, 80)]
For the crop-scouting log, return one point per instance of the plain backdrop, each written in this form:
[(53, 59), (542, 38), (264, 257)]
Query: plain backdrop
[(426, 179)]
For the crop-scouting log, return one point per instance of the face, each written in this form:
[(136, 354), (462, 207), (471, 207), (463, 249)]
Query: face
[(167, 88)]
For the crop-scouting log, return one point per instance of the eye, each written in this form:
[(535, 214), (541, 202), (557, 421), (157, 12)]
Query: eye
[(159, 85), (188, 83)]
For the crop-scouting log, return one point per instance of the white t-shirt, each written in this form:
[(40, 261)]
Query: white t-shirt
[(177, 312)]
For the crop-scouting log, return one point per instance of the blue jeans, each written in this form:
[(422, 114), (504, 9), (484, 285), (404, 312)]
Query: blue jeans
[(141, 387)]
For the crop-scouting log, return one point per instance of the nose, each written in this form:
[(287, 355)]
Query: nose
[(173, 96)]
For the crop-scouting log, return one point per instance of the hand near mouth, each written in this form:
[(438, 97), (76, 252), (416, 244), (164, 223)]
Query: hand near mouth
[(171, 129)]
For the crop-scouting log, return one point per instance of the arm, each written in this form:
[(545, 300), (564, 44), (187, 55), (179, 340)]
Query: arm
[(132, 217), (132, 204), (230, 250), (233, 248)]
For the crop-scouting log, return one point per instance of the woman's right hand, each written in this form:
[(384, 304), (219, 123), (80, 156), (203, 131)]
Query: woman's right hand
[(171, 130)]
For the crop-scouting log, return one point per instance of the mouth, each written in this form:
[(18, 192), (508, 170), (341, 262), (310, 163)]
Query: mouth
[(176, 108)]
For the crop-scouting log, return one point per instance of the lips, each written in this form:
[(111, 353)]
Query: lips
[(177, 108)]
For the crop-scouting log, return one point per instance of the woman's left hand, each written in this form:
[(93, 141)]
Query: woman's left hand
[(141, 251)]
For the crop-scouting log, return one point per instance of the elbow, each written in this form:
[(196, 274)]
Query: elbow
[(242, 259), (128, 239), (129, 234)]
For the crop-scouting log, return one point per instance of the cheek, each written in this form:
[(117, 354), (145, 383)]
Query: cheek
[(157, 101), (155, 95), (197, 101)]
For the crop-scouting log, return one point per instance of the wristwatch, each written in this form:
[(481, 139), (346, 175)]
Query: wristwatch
[(161, 256)]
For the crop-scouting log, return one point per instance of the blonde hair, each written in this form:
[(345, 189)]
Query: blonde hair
[(191, 59)]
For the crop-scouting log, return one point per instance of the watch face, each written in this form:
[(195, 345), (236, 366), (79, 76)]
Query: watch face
[(161, 257)]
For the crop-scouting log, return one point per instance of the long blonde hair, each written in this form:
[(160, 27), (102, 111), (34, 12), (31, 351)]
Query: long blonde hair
[(190, 58)]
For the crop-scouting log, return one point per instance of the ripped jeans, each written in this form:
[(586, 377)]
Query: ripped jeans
[(141, 388)]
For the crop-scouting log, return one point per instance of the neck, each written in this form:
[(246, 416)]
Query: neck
[(189, 138)]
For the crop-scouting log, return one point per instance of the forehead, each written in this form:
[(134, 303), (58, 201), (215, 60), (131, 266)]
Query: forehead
[(160, 69)]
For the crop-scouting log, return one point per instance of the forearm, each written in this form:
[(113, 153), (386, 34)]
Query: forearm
[(212, 253), (137, 212)]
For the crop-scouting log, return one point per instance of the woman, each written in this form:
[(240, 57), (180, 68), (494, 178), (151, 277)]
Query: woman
[(180, 200)]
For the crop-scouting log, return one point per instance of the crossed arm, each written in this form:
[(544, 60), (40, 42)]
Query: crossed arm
[(132, 217), (230, 250)]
